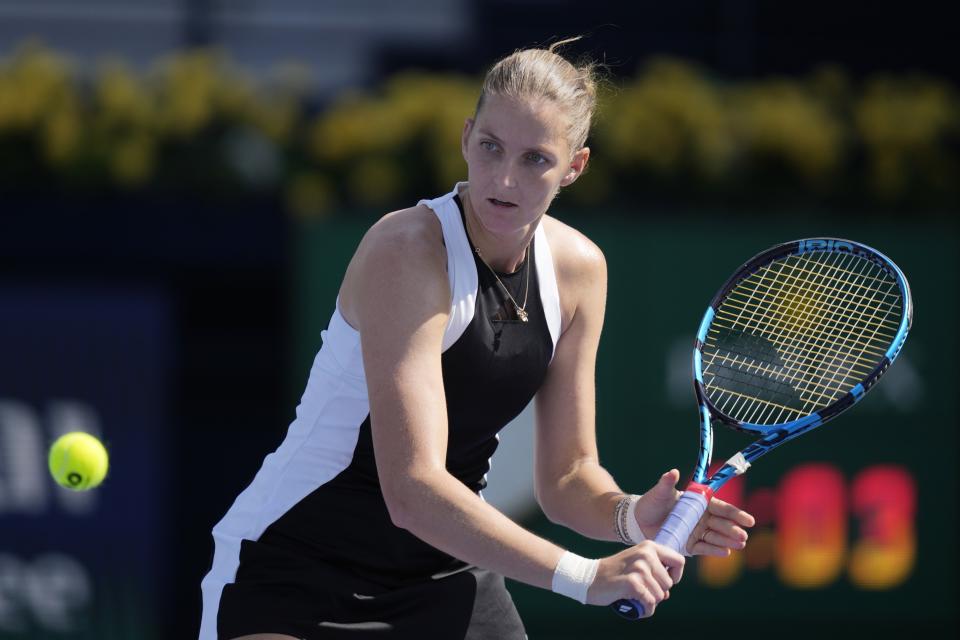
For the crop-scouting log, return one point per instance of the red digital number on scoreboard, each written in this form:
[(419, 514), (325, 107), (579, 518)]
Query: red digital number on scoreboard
[(802, 529)]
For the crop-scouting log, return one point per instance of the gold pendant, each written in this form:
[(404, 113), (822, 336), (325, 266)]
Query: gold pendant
[(522, 314)]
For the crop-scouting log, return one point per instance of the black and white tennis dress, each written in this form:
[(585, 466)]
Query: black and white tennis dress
[(308, 549)]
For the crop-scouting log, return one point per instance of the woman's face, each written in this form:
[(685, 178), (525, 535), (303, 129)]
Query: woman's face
[(517, 158)]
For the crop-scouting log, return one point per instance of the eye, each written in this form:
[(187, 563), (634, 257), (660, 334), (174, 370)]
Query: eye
[(489, 145), (537, 158)]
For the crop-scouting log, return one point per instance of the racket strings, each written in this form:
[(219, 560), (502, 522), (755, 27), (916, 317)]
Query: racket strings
[(870, 324), (746, 378), (792, 337), (868, 313), (841, 333), (767, 372), (788, 281), (779, 313), (867, 304), (817, 309), (812, 319), (806, 353), (870, 348), (786, 372), (882, 281)]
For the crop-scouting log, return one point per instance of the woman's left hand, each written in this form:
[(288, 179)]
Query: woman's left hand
[(720, 530)]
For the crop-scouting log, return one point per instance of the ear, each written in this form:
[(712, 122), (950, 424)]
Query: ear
[(577, 165), (467, 128)]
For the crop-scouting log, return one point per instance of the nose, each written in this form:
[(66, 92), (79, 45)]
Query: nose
[(507, 177)]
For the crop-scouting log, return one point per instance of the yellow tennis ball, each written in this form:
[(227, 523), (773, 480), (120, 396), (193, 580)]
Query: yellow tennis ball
[(78, 461)]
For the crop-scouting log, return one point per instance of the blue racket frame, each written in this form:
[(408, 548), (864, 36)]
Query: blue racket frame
[(775, 435)]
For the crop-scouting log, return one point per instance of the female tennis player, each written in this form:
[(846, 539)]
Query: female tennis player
[(367, 521)]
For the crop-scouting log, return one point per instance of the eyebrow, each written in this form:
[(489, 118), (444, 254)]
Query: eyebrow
[(489, 134)]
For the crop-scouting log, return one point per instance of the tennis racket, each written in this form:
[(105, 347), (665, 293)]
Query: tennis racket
[(795, 337)]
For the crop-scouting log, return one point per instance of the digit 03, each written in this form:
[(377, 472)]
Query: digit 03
[(815, 527)]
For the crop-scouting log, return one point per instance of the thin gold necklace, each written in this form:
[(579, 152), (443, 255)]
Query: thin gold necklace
[(521, 310)]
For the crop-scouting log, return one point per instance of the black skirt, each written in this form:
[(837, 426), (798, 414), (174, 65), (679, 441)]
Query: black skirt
[(277, 591)]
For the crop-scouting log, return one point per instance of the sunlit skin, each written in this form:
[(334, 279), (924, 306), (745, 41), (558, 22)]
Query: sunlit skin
[(517, 153)]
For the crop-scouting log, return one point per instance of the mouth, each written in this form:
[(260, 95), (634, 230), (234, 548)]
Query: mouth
[(500, 203)]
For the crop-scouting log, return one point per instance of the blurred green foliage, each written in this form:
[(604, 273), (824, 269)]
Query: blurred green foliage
[(195, 123)]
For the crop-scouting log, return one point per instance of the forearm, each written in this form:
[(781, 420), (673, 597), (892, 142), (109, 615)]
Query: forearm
[(583, 500), (443, 512)]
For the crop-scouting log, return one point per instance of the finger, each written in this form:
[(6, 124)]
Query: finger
[(727, 529), (651, 571), (666, 485), (668, 557), (715, 539), (661, 576), (703, 536), (723, 509), (714, 543), (676, 574), (672, 561), (706, 549), (641, 594), (672, 477), (656, 591), (696, 535)]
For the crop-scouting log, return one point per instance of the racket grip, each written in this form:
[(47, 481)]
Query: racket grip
[(675, 532)]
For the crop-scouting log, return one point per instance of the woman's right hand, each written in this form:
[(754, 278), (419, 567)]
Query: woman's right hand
[(644, 572)]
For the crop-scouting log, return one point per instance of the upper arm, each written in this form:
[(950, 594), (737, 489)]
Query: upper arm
[(565, 423), (400, 300)]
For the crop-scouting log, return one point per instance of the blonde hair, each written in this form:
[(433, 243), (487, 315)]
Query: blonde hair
[(544, 74)]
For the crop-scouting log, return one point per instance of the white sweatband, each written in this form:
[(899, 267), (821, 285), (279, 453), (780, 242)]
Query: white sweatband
[(625, 520), (633, 529), (574, 575)]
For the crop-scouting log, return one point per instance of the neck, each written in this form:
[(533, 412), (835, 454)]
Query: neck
[(504, 254)]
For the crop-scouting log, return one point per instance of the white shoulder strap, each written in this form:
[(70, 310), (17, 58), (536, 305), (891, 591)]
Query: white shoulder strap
[(461, 269), (547, 278)]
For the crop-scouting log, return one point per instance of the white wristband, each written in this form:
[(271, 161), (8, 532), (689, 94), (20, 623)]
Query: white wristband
[(633, 529), (574, 575), (625, 520)]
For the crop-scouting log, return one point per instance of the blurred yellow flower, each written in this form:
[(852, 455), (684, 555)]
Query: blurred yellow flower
[(415, 111), (186, 86), (356, 126), (62, 133), (35, 81), (779, 119), (670, 117), (672, 123), (903, 124), (122, 99)]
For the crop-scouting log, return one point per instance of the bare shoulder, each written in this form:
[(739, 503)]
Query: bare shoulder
[(402, 248), (577, 259), (581, 269), (415, 230)]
